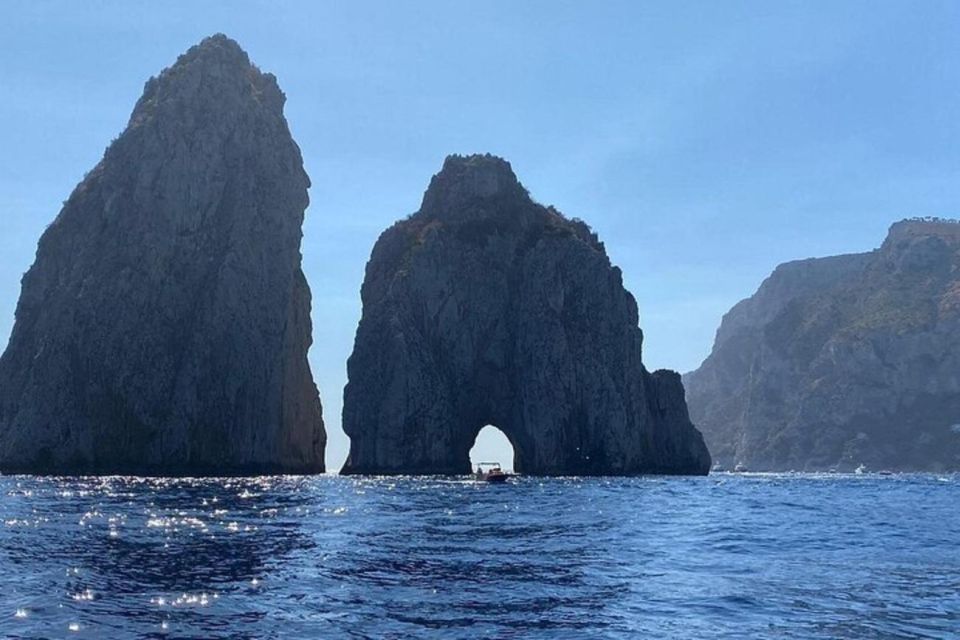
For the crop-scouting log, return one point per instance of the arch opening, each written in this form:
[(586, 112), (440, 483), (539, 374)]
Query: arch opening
[(492, 445)]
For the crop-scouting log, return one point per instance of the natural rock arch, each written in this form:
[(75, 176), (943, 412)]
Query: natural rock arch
[(485, 307), (469, 440), (484, 448)]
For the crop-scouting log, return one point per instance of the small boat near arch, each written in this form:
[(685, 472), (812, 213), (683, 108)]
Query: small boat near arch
[(491, 472)]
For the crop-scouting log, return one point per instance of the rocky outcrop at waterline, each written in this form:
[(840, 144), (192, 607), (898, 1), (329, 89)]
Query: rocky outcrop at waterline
[(840, 362), (485, 307), (164, 326)]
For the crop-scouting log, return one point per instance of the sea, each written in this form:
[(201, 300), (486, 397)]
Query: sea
[(739, 556)]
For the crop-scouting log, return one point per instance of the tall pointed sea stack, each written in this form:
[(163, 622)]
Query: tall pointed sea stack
[(164, 326), (485, 307)]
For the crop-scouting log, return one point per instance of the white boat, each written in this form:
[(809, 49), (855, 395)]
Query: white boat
[(494, 473)]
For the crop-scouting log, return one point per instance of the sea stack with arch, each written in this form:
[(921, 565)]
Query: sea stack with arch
[(485, 307)]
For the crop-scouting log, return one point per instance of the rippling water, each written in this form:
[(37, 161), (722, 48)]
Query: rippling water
[(729, 556)]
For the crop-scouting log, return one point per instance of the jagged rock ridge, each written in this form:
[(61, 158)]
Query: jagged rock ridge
[(164, 326), (842, 361), (485, 307)]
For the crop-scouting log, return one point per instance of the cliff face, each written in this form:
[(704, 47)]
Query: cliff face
[(486, 308), (165, 324), (842, 361)]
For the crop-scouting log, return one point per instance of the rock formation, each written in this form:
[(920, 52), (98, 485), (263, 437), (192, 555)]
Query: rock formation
[(164, 326), (485, 307), (842, 361)]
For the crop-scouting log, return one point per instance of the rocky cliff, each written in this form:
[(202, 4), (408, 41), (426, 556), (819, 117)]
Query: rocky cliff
[(164, 326), (485, 307), (842, 361)]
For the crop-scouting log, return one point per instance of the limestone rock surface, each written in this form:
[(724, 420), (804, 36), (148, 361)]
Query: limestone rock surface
[(164, 326), (843, 361), (485, 307)]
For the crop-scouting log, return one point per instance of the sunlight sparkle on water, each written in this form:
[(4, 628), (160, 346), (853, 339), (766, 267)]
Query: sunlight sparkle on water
[(678, 558)]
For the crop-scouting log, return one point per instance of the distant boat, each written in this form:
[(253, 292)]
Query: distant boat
[(494, 474), (740, 468), (861, 469)]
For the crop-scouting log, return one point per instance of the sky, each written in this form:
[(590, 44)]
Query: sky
[(705, 142)]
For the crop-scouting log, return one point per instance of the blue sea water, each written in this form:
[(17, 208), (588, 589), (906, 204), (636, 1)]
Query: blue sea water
[(728, 556)]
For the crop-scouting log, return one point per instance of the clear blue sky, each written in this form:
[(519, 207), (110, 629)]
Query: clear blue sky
[(705, 142)]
